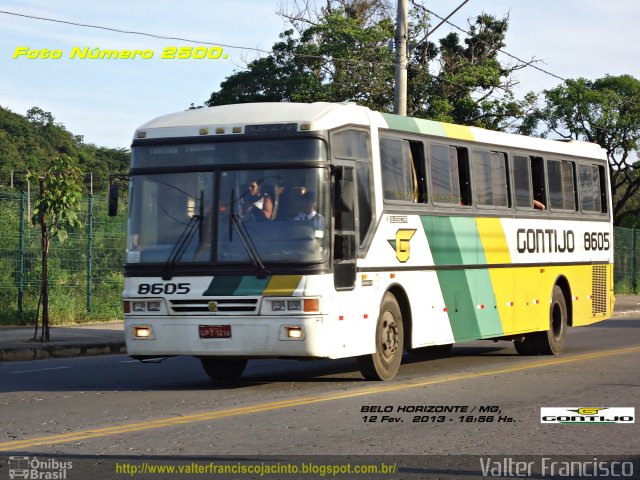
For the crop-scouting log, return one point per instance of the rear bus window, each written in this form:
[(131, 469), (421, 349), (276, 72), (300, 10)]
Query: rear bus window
[(591, 188)]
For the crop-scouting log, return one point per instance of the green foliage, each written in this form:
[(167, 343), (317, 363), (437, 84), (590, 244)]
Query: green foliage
[(30, 143), (605, 111), (343, 55), (337, 59), (59, 197)]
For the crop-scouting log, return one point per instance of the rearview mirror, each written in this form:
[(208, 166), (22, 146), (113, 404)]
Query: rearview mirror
[(113, 200)]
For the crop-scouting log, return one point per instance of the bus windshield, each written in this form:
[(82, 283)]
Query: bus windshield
[(230, 216)]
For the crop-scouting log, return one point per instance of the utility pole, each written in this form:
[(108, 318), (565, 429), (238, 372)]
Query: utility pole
[(400, 88)]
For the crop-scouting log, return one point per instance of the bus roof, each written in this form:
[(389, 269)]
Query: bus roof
[(325, 116)]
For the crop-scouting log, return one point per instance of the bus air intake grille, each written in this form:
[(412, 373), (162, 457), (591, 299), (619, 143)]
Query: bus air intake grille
[(599, 290), (215, 306)]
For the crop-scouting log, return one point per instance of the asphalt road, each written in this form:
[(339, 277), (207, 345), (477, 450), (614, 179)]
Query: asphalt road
[(111, 405)]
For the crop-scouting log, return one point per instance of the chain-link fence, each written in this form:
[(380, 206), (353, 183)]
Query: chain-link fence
[(627, 260), (85, 272)]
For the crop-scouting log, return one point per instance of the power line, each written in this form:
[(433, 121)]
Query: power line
[(205, 42), (271, 52), (528, 64), (188, 40), (316, 57), (130, 32)]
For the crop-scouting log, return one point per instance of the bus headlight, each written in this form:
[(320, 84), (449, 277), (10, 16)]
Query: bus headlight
[(143, 332), (293, 305), (291, 332), (139, 306), (278, 306), (295, 332), (153, 306)]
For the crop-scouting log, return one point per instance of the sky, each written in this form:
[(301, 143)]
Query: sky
[(105, 100)]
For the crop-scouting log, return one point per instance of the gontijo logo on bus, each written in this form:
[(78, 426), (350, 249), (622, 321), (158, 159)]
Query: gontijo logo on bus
[(587, 415), (401, 244), (588, 411)]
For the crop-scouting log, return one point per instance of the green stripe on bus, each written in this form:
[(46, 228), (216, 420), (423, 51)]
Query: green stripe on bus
[(415, 125), (453, 283), (236, 285), (468, 294), (482, 294)]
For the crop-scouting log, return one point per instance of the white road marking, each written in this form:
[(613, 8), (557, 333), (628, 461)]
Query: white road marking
[(39, 370)]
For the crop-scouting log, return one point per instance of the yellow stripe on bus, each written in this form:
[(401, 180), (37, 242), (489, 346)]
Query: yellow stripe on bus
[(282, 285), (496, 251), (459, 132)]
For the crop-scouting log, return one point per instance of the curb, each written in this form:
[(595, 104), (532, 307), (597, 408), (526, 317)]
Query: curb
[(58, 351)]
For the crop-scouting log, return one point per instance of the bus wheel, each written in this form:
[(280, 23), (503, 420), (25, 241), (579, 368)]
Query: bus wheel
[(385, 362), (552, 341), (223, 369), (527, 346)]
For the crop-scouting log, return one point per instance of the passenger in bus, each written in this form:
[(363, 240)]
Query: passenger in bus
[(309, 213), (259, 205), (538, 205)]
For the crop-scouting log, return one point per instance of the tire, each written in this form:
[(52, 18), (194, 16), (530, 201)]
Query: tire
[(526, 346), (385, 362), (552, 341), (223, 369)]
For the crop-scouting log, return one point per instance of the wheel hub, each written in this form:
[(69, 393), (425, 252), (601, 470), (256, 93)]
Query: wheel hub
[(389, 335)]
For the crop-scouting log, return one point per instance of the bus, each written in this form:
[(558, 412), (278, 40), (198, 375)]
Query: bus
[(430, 234)]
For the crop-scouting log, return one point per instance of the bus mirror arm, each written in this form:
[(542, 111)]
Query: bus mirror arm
[(113, 200), (344, 246)]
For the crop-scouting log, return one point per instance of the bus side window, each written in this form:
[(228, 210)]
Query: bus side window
[(522, 182), (490, 178), (450, 175), (592, 189), (403, 168), (562, 185), (398, 174), (464, 175), (416, 153), (537, 181)]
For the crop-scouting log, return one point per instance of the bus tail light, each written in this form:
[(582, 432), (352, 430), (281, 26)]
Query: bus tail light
[(126, 306)]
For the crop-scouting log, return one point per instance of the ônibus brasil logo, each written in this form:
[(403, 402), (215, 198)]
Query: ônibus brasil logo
[(587, 415)]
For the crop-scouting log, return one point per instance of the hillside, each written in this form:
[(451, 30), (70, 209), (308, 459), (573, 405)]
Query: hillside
[(31, 141)]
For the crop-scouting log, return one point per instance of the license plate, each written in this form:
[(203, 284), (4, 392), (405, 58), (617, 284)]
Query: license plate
[(215, 331)]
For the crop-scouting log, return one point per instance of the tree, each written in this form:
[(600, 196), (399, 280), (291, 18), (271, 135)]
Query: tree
[(341, 56), (57, 203), (341, 53), (605, 111), (463, 81)]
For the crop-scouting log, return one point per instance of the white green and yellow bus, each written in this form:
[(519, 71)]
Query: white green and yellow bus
[(430, 234)]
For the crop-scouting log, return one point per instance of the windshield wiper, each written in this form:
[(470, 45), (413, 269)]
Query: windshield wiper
[(248, 244), (178, 249)]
